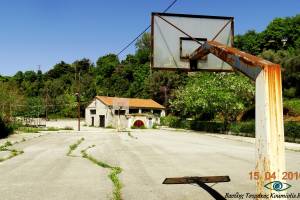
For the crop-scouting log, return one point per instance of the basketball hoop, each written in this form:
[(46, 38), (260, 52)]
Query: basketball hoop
[(118, 105)]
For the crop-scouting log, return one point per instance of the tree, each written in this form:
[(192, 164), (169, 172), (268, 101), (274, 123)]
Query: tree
[(10, 99), (291, 76), (214, 93), (19, 77), (161, 85), (106, 65), (83, 66), (250, 42), (143, 46), (59, 70)]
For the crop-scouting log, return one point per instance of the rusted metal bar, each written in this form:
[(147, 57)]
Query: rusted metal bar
[(269, 133), (214, 193), (195, 179), (246, 63), (201, 182)]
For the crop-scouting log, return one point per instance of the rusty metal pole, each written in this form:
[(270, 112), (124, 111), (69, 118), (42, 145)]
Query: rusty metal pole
[(269, 128)]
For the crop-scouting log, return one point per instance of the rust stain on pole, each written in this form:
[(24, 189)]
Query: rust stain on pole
[(269, 131), (269, 127)]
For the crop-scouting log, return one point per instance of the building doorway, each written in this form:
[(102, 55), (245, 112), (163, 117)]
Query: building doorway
[(138, 123), (93, 121), (102, 120)]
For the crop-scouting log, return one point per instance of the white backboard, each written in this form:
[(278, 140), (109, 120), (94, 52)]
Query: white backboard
[(171, 48)]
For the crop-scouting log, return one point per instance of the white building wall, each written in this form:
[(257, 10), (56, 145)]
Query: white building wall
[(111, 119), (101, 109), (88, 116)]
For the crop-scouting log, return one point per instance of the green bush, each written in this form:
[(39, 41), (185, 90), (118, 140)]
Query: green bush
[(293, 106), (174, 122), (292, 131), (243, 128), (208, 126), (5, 128)]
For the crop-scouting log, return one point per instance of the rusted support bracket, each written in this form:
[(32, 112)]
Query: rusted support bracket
[(201, 181), (269, 133), (246, 63)]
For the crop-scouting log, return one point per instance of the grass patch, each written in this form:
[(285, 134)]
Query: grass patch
[(113, 175), (136, 127), (68, 128), (30, 129), (52, 129), (25, 129), (72, 147)]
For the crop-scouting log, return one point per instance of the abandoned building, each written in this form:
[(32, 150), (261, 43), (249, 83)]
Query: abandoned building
[(118, 112)]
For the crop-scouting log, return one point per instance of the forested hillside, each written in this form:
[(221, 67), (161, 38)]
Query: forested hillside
[(202, 95), (32, 93)]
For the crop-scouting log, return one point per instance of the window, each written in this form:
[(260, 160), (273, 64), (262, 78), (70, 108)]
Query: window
[(93, 112), (146, 110), (157, 112), (120, 112), (132, 111)]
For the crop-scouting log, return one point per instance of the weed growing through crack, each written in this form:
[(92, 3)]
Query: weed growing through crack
[(115, 171), (130, 135), (13, 152), (72, 147), (113, 175)]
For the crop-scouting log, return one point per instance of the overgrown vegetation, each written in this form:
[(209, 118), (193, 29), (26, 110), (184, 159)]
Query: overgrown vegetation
[(201, 96), (113, 175), (5, 128), (74, 146)]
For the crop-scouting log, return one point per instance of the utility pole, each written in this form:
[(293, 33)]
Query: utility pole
[(78, 96), (46, 109)]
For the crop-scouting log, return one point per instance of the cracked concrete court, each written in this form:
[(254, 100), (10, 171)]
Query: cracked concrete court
[(146, 157)]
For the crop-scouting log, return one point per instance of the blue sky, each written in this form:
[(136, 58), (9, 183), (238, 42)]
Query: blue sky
[(44, 32)]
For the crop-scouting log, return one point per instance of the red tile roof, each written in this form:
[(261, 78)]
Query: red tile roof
[(131, 102)]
